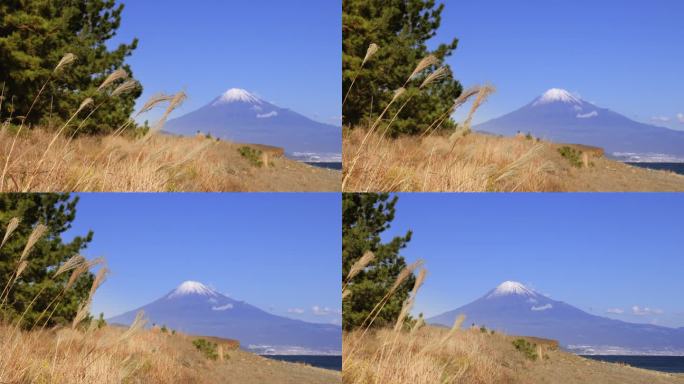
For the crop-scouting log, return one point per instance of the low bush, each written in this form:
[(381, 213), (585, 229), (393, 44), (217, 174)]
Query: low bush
[(524, 346), (208, 348)]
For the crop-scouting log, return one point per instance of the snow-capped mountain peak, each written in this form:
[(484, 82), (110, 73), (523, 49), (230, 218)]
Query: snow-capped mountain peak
[(511, 288), (237, 95), (192, 288), (557, 95)]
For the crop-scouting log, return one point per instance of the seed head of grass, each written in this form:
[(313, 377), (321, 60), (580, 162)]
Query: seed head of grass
[(464, 97), (81, 314), (372, 49), (420, 279), (97, 282), (75, 274), (360, 264), (21, 267), (398, 93), (154, 101), (73, 262), (426, 62), (87, 102), (138, 324), (33, 238), (482, 96), (66, 60), (11, 226), (404, 274), (438, 74), (125, 87), (114, 76)]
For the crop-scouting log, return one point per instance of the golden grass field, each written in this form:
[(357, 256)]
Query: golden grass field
[(147, 356), (485, 163), (163, 163), (439, 355)]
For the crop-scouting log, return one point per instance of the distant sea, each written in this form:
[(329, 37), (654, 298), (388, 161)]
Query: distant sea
[(327, 362), (337, 166), (672, 364), (672, 167)]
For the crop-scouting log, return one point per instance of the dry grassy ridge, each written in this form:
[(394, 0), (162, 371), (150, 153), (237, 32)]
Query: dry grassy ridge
[(100, 356), (438, 355), (161, 163), (478, 162)]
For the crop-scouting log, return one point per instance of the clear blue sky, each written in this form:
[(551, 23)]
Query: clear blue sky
[(599, 252), (276, 251), (625, 55), (286, 52)]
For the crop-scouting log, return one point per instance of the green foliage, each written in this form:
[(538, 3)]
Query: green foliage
[(207, 348), (101, 322), (57, 212), (401, 29), (251, 154), (36, 34), (529, 136), (364, 217), (173, 332), (524, 346), (164, 329), (574, 156), (483, 329)]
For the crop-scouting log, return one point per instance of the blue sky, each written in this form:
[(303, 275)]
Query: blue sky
[(625, 55), (599, 252), (280, 252), (286, 52)]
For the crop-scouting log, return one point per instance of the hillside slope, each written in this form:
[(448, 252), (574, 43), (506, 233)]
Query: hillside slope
[(109, 356), (164, 163), (481, 162), (433, 354)]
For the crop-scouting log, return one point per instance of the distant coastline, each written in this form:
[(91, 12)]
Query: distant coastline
[(672, 167), (333, 362), (670, 364), (325, 164)]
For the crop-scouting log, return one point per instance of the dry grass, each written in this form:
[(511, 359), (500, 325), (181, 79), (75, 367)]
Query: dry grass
[(474, 163), (420, 357), (160, 163), (481, 163), (70, 356)]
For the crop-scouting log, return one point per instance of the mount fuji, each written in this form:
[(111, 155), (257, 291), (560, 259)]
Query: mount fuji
[(560, 116), (240, 116), (518, 310), (196, 309)]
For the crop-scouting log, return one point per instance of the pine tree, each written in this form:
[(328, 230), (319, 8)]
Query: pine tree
[(364, 218), (57, 212), (35, 35), (400, 28)]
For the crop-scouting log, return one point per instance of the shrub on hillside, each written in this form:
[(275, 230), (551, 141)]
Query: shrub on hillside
[(208, 348)]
